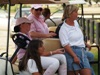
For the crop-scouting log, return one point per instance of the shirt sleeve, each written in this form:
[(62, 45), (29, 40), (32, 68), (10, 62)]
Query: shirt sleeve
[(33, 27), (63, 36), (32, 67)]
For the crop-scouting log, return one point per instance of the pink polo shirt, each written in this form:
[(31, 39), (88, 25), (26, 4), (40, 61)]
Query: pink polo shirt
[(38, 24)]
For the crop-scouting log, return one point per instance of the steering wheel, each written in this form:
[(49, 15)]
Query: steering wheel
[(20, 40)]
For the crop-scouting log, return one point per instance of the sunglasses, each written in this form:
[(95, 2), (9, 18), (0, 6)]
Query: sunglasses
[(39, 9), (26, 23)]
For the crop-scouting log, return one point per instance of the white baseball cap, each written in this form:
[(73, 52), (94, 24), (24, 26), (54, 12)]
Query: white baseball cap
[(22, 20), (36, 6)]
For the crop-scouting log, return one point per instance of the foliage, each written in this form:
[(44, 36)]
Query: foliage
[(90, 1), (3, 5), (96, 1)]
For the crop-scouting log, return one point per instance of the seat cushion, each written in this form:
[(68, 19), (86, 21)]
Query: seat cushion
[(2, 67)]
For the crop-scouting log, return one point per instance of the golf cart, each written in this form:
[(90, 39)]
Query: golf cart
[(7, 68)]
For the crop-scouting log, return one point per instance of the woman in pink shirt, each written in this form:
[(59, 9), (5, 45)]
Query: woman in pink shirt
[(39, 28)]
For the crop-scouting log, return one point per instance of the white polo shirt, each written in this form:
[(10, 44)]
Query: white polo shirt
[(71, 35)]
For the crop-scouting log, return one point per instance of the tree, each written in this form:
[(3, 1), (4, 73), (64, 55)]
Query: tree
[(89, 1), (3, 5), (96, 1)]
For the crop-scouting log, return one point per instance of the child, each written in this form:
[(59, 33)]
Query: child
[(31, 62)]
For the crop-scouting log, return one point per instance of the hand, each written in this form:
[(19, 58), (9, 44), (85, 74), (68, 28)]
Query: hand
[(88, 46), (51, 35), (76, 60), (59, 51)]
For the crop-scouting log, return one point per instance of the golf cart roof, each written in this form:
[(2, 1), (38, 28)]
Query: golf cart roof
[(42, 1), (33, 1), (76, 2)]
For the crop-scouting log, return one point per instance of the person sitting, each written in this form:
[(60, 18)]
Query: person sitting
[(31, 61), (46, 13), (89, 54), (39, 28), (72, 40)]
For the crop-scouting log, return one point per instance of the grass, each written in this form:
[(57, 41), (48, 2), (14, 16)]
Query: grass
[(95, 66)]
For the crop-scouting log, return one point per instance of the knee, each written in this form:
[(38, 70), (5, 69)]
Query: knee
[(56, 63), (90, 56), (63, 59)]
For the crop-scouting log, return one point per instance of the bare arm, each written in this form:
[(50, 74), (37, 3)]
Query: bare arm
[(70, 51), (36, 73), (40, 35), (58, 51), (88, 46), (14, 60)]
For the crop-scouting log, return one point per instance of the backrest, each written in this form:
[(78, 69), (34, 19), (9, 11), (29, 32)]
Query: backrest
[(52, 29), (57, 30), (51, 44), (21, 41), (15, 68)]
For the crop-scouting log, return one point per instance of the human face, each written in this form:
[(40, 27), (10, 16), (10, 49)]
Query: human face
[(38, 11), (41, 50), (25, 27), (48, 16), (74, 15)]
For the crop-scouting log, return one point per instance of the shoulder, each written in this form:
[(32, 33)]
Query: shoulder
[(31, 61), (64, 25), (30, 17), (31, 64), (32, 67), (63, 28)]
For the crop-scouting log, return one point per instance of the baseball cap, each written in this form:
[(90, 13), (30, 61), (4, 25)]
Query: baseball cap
[(22, 20), (36, 6)]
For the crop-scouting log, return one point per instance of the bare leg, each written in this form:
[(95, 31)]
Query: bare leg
[(72, 72), (85, 72)]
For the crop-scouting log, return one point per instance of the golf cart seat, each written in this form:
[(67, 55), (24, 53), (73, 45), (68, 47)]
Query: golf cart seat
[(3, 66), (52, 29), (21, 41), (51, 44)]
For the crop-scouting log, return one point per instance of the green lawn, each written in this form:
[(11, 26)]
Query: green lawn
[(95, 66)]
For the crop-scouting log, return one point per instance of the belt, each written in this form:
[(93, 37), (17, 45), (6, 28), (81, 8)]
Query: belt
[(77, 47)]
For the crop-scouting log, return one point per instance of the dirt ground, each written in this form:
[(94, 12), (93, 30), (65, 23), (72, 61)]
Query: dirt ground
[(3, 43)]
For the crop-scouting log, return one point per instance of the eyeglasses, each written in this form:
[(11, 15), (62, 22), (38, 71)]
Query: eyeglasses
[(39, 9)]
